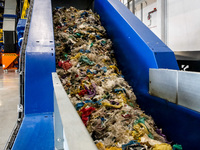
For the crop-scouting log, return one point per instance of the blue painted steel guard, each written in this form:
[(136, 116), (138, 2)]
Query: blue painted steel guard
[(40, 60), (37, 129), (137, 49)]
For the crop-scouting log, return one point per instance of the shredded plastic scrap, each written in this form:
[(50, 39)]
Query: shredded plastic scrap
[(104, 100)]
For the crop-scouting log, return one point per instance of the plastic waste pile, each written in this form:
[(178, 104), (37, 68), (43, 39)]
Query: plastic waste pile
[(103, 99)]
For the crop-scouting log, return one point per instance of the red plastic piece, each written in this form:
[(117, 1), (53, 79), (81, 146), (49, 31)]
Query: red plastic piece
[(82, 92), (65, 65), (86, 113)]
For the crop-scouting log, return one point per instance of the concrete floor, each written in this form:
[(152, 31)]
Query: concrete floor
[(9, 99)]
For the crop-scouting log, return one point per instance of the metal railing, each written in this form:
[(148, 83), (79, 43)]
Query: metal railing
[(69, 131)]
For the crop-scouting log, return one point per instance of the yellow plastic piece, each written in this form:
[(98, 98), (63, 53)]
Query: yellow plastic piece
[(140, 130), (110, 105), (113, 74), (75, 91), (113, 148), (25, 7), (91, 76), (77, 56), (115, 68), (100, 146), (124, 98), (163, 146)]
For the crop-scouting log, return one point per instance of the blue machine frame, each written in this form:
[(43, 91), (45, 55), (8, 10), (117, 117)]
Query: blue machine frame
[(37, 129), (136, 48)]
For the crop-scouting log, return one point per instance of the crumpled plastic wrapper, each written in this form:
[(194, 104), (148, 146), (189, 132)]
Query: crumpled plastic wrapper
[(89, 74)]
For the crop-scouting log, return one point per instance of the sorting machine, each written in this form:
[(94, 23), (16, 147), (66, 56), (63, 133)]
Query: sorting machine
[(137, 50)]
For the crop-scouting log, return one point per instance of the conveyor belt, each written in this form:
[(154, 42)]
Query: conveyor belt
[(137, 49)]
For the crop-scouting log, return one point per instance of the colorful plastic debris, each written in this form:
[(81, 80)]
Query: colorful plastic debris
[(103, 99)]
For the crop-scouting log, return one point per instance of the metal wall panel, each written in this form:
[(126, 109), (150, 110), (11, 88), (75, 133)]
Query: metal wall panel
[(163, 84), (189, 90), (180, 87)]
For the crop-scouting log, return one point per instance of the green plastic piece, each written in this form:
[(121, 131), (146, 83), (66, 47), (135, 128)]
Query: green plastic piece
[(86, 60), (131, 104), (140, 120), (106, 96), (58, 44), (65, 55), (150, 136), (78, 34), (177, 147), (103, 42), (91, 44)]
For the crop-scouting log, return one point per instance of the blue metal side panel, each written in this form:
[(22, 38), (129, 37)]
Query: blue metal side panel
[(40, 60), (136, 48), (36, 133), (37, 129), (181, 125)]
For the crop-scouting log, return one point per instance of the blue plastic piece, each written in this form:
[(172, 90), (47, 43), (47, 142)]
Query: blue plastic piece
[(81, 50), (133, 142), (88, 71), (79, 105), (98, 37), (36, 133), (104, 69), (119, 90), (87, 51)]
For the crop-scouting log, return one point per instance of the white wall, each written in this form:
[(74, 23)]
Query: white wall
[(182, 26), (147, 7), (152, 23)]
